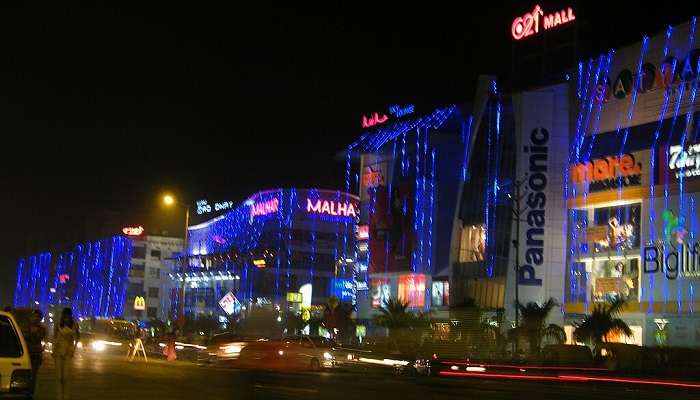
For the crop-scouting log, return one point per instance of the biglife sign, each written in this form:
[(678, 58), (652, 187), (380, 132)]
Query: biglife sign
[(541, 130)]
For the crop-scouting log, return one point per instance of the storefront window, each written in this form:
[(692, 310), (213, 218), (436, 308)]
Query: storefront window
[(440, 293), (578, 283), (412, 289), (612, 279), (473, 243), (381, 292), (615, 228)]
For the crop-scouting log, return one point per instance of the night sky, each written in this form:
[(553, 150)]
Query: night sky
[(106, 107)]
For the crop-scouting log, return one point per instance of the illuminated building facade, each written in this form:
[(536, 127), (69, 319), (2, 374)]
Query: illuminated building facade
[(632, 187), (411, 178), (274, 246), (609, 160), (90, 278)]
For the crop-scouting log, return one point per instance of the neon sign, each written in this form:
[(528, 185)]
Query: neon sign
[(203, 206), (264, 207), (133, 230), (374, 119), (362, 232), (398, 111), (529, 23), (334, 208)]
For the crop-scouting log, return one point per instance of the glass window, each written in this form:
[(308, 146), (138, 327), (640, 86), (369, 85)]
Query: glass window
[(472, 243), (154, 273), (153, 292), (440, 293), (139, 252), (134, 289), (9, 341), (155, 253), (578, 283), (152, 312), (137, 267), (615, 228), (611, 279)]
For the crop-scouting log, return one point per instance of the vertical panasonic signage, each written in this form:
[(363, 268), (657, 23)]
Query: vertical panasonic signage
[(541, 129)]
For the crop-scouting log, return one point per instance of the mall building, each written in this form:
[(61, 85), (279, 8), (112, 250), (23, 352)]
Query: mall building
[(280, 248), (609, 164)]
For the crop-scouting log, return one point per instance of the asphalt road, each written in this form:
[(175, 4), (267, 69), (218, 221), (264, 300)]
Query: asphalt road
[(100, 378)]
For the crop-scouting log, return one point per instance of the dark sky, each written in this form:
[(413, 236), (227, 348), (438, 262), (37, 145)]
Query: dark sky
[(105, 107)]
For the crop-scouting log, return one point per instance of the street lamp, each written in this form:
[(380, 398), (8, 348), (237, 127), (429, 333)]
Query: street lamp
[(515, 197), (169, 201)]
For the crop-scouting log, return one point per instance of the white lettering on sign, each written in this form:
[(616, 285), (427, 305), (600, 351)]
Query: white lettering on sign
[(203, 206), (330, 207), (686, 161)]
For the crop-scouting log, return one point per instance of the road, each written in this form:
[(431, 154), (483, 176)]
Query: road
[(114, 378)]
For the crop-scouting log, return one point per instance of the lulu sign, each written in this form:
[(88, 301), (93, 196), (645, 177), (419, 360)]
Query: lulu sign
[(331, 208), (608, 173), (529, 23), (395, 110)]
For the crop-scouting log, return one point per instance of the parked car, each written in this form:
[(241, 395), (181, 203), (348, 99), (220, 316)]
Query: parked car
[(15, 365)]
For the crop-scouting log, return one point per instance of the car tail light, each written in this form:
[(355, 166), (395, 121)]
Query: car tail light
[(21, 379)]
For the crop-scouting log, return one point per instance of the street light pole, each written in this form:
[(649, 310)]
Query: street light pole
[(185, 255), (516, 245)]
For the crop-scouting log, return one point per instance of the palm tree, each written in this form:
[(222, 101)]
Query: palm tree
[(603, 321), (394, 315), (533, 318)]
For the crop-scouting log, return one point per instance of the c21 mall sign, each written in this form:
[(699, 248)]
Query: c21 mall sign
[(530, 23)]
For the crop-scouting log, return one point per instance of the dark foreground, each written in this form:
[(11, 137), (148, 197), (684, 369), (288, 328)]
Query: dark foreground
[(114, 378)]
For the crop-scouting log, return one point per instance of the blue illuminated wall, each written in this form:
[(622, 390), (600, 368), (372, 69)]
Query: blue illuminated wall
[(295, 236), (90, 278)]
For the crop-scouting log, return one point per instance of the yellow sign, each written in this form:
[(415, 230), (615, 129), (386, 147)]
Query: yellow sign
[(139, 303), (294, 297)]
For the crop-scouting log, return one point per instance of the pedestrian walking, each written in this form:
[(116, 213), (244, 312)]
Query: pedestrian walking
[(35, 341), (65, 338)]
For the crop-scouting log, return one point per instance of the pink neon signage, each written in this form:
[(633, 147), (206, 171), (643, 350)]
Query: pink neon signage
[(374, 119), (529, 23), (330, 207), (264, 207)]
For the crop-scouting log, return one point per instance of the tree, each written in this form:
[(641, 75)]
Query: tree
[(533, 318), (595, 328), (401, 323)]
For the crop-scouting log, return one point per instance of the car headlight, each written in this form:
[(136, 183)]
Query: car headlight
[(280, 352), (98, 345), (21, 379), (79, 345), (233, 349), (327, 356)]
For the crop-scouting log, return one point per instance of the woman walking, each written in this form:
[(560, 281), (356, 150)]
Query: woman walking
[(66, 336)]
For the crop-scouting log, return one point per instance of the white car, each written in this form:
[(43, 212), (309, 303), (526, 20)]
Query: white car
[(15, 365)]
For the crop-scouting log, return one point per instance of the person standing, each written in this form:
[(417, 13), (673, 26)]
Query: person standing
[(66, 336), (35, 341)]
